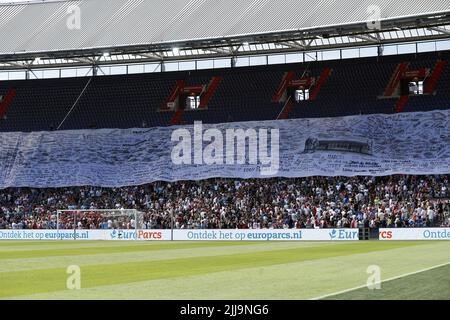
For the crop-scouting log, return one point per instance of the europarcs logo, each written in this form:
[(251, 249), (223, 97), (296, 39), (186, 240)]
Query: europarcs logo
[(343, 234), (119, 234)]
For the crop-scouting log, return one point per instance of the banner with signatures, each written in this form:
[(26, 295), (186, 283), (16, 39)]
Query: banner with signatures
[(406, 143)]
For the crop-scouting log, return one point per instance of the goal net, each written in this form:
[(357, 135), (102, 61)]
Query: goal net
[(99, 219)]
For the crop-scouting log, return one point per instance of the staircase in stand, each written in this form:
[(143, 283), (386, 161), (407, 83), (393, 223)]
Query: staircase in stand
[(6, 102)]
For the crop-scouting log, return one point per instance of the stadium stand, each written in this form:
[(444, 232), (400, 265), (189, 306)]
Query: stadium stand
[(316, 202), (126, 101), (137, 33)]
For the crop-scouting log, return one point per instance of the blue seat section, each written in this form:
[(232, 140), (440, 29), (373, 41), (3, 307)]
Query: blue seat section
[(351, 89), (245, 94), (441, 98), (122, 102), (39, 104)]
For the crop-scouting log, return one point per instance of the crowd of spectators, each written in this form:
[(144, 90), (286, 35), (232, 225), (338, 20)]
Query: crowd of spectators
[(314, 202)]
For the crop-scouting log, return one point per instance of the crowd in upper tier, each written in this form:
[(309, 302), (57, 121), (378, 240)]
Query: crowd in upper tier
[(314, 202)]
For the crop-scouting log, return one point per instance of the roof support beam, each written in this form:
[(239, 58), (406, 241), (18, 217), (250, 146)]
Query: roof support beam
[(225, 50), (366, 37), (441, 30), (269, 44), (153, 55), (296, 44), (16, 64)]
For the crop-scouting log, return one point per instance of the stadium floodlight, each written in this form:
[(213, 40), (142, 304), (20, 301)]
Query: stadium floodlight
[(37, 60), (106, 54), (175, 51)]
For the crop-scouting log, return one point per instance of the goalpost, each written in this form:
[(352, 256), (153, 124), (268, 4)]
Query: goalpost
[(99, 219)]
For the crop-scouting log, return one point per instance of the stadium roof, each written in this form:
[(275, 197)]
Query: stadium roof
[(151, 29)]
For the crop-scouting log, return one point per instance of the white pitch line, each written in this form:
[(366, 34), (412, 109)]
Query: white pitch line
[(386, 280)]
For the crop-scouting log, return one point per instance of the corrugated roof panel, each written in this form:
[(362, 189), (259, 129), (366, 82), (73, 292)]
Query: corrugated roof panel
[(8, 14), (109, 23)]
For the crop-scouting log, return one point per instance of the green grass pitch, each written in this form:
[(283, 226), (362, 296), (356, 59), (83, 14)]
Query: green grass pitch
[(224, 270)]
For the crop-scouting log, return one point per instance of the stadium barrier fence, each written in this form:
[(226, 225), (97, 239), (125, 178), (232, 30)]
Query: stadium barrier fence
[(185, 235), (385, 234)]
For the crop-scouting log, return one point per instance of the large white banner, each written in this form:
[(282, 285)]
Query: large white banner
[(414, 234), (409, 143), (267, 235)]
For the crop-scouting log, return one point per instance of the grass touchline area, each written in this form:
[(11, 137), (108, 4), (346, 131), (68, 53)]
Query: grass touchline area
[(172, 270)]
